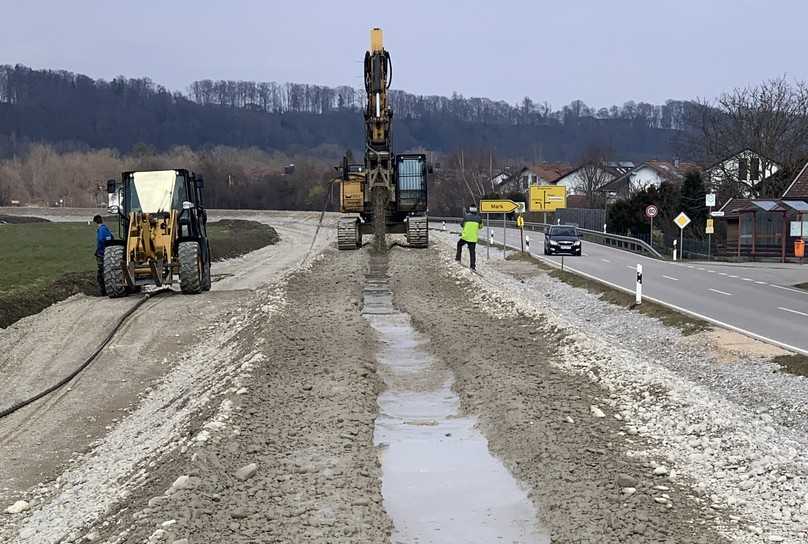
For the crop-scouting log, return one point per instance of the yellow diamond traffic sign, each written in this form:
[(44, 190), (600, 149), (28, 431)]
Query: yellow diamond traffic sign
[(682, 220)]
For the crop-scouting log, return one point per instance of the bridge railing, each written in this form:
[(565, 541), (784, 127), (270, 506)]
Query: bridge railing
[(627, 243)]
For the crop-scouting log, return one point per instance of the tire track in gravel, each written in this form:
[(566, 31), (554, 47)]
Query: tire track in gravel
[(306, 420), (539, 420)]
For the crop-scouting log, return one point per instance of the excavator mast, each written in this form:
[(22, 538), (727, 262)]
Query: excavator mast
[(388, 191)]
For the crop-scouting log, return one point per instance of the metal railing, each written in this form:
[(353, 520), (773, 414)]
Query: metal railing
[(627, 243)]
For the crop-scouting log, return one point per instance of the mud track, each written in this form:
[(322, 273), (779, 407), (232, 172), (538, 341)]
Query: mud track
[(574, 468)]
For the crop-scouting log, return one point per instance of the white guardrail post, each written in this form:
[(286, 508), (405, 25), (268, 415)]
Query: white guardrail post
[(638, 292), (527, 243)]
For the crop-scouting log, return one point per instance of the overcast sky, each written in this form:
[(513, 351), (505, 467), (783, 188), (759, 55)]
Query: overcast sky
[(601, 51)]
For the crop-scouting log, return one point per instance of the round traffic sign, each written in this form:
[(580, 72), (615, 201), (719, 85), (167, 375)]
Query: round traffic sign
[(651, 211)]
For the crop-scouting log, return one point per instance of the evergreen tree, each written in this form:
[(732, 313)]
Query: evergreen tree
[(692, 202)]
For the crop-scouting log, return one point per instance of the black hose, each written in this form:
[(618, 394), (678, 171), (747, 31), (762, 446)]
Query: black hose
[(20, 405), (326, 203)]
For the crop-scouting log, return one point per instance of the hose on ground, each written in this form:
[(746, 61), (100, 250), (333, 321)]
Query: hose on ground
[(20, 405), (326, 203)]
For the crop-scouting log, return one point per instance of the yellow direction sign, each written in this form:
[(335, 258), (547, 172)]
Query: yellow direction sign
[(682, 220), (710, 227), (520, 222), (547, 198), (498, 206)]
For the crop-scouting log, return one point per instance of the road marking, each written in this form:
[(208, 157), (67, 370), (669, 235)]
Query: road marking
[(761, 282), (711, 271), (631, 267), (691, 313), (720, 292), (793, 311), (723, 274), (789, 289), (733, 276), (699, 268), (670, 278), (606, 260), (748, 279), (691, 266)]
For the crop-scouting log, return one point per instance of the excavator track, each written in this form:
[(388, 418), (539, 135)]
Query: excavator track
[(418, 231), (348, 236)]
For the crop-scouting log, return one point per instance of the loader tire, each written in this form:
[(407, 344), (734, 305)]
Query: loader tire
[(114, 273), (191, 267)]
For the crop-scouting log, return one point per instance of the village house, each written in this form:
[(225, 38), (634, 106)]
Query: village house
[(768, 228), (648, 174), (747, 168), (574, 180), (539, 174)]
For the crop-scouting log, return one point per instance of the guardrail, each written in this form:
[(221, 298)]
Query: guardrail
[(627, 243)]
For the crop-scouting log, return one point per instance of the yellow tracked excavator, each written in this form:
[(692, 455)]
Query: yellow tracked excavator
[(387, 193)]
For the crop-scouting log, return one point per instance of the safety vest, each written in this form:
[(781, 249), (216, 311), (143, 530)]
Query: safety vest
[(471, 227)]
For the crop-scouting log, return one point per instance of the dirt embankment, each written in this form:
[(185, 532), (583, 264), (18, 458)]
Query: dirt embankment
[(229, 238), (305, 422), (540, 420)]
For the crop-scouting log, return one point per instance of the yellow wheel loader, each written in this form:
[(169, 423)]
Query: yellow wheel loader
[(162, 226), (388, 193)]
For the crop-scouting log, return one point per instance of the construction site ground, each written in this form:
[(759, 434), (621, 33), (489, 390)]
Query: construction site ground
[(248, 414)]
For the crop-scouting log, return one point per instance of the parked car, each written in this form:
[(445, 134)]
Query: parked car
[(562, 239)]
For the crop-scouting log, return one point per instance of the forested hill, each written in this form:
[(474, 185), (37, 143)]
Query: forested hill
[(76, 111)]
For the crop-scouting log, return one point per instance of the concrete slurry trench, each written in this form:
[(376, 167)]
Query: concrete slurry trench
[(439, 481)]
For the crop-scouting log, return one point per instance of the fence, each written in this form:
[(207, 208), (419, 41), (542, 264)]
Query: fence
[(585, 218)]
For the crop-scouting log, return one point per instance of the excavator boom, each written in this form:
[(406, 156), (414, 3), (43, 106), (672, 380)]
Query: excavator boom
[(376, 188)]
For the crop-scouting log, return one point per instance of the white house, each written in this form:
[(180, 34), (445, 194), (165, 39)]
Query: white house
[(498, 180), (539, 174), (575, 180), (650, 174), (746, 167)]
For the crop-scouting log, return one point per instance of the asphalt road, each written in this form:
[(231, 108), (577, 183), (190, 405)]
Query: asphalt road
[(756, 300)]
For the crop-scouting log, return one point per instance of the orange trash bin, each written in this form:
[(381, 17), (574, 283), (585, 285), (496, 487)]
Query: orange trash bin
[(799, 248)]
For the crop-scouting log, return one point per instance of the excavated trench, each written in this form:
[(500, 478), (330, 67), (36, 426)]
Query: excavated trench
[(439, 481)]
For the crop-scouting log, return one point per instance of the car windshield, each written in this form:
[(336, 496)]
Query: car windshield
[(563, 231), (159, 191)]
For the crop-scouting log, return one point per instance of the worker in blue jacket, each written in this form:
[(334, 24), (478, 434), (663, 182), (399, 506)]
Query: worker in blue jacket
[(102, 234)]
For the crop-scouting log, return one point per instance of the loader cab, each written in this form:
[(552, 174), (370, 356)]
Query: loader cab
[(162, 232)]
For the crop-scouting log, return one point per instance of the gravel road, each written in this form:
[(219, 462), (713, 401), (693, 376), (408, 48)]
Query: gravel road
[(253, 420), (136, 399), (538, 418), (728, 428)]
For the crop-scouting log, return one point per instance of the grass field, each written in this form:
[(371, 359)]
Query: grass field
[(42, 263)]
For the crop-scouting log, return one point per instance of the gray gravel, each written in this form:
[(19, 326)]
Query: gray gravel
[(734, 430)]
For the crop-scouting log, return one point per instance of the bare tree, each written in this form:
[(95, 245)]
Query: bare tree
[(770, 118), (593, 174)]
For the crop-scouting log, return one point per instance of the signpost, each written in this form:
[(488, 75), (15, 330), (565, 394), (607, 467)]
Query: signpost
[(681, 220), (504, 207), (520, 223), (547, 198), (650, 212), (709, 228)]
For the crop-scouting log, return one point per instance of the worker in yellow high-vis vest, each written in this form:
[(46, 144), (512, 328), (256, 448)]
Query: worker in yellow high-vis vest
[(471, 225)]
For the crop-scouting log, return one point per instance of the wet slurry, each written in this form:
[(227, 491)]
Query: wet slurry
[(439, 481)]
